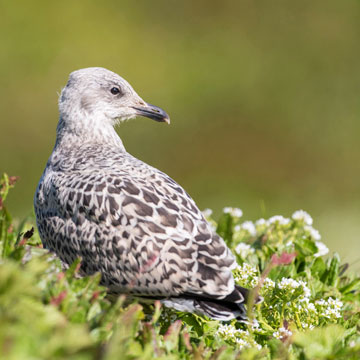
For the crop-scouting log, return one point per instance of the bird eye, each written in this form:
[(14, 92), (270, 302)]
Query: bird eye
[(115, 90)]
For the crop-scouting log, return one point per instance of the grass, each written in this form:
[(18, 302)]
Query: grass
[(310, 308)]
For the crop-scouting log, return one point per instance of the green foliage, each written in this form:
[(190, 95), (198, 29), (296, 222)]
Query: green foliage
[(310, 307)]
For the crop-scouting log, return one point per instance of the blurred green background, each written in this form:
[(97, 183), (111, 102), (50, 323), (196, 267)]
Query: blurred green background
[(263, 97)]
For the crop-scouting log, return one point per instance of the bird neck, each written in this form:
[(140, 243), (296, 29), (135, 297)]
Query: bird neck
[(75, 134)]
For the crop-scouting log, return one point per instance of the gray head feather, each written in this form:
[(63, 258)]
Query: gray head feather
[(95, 99)]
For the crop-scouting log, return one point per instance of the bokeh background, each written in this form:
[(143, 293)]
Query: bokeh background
[(263, 97)]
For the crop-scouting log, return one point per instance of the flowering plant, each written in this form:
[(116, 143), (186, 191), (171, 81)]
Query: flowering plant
[(310, 306)]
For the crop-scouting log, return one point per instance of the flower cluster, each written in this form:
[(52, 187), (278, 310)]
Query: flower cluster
[(322, 249), (296, 303), (244, 250), (276, 219), (288, 306), (301, 215), (241, 338), (329, 308), (314, 234), (279, 219), (282, 333), (268, 284), (235, 212), (246, 275), (261, 222), (291, 285), (247, 226)]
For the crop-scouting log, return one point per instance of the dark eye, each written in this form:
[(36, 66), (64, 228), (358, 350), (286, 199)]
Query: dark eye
[(115, 90)]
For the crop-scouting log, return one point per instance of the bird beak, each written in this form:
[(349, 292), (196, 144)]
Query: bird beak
[(152, 112)]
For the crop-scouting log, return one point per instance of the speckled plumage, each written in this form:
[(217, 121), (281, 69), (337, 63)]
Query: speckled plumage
[(124, 218)]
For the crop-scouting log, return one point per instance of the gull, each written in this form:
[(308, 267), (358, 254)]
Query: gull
[(127, 220)]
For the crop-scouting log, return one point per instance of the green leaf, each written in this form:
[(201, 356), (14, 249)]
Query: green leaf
[(285, 271), (305, 247), (321, 343), (192, 322), (318, 268), (333, 271), (225, 228), (352, 286)]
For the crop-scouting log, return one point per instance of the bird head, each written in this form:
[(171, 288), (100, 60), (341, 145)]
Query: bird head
[(101, 95)]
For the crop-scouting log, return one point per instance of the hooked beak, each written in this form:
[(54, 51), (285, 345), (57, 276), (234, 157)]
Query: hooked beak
[(152, 112)]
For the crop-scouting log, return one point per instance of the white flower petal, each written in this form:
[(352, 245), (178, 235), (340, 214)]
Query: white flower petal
[(301, 215)]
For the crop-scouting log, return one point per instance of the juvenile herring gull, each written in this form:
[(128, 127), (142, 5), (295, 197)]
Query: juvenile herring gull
[(122, 217)]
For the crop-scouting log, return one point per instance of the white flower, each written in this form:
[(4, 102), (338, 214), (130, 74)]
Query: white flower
[(246, 274), (307, 326), (261, 222), (255, 325), (322, 249), (281, 333), (207, 212), (279, 219), (320, 302), (311, 307), (290, 285), (235, 212), (268, 283), (249, 227), (313, 232), (241, 338), (301, 215), (244, 250), (329, 308), (307, 292)]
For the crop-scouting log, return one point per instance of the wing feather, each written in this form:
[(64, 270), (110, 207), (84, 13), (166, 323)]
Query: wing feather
[(136, 226)]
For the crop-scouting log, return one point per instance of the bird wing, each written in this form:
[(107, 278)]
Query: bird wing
[(140, 229)]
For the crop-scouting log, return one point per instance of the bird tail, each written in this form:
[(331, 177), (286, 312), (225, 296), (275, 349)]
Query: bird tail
[(228, 308)]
